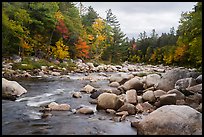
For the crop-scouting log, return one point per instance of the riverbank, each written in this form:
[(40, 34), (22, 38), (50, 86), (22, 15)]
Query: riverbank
[(141, 88), (32, 67)]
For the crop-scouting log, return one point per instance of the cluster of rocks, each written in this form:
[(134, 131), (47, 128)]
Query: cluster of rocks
[(125, 67), (54, 106), (167, 96), (81, 67), (44, 71), (172, 97), (175, 87)]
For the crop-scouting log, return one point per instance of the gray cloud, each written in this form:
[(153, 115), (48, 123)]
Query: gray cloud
[(136, 17)]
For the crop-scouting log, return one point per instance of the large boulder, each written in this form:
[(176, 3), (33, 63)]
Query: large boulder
[(171, 120), (109, 101), (121, 78), (134, 83), (149, 96), (95, 94), (179, 95), (199, 79), (193, 100), (12, 88), (168, 99), (168, 79), (195, 89), (151, 80), (184, 83)]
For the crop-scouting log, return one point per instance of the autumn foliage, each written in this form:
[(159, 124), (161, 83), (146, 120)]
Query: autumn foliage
[(180, 53), (61, 27), (82, 49), (60, 50), (60, 30)]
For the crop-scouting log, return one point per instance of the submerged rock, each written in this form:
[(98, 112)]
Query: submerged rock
[(85, 110)]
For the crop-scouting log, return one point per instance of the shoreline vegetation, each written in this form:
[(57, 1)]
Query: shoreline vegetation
[(32, 66), (61, 31), (156, 92)]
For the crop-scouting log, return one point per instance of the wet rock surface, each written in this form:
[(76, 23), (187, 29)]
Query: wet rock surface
[(171, 120), (85, 101), (27, 116)]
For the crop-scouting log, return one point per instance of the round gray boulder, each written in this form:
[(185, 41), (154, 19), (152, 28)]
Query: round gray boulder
[(171, 120), (168, 79), (109, 101)]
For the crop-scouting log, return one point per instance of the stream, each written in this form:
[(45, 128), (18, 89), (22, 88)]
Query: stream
[(22, 117)]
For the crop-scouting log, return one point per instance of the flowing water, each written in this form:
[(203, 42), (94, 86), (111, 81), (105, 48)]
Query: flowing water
[(22, 117)]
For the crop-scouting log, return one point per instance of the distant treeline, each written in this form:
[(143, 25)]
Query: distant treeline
[(62, 30)]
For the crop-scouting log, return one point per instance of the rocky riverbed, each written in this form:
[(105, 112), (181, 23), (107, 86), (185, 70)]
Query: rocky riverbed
[(103, 99), (23, 115)]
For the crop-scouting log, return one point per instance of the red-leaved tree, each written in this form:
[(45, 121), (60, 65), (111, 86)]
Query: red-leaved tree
[(62, 28)]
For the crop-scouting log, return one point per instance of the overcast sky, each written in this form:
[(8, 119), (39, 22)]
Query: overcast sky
[(137, 17)]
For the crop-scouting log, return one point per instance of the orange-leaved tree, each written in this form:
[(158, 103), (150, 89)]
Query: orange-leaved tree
[(82, 49)]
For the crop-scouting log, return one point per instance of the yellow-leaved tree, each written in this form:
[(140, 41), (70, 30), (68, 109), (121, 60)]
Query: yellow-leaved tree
[(60, 51), (180, 53), (98, 40)]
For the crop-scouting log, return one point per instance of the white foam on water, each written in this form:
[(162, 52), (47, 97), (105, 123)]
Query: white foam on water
[(35, 97), (39, 100), (45, 95), (33, 114), (59, 91), (39, 103)]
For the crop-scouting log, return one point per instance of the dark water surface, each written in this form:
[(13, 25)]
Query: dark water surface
[(22, 117)]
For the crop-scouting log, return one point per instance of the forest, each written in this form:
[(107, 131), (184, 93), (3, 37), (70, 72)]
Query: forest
[(61, 30)]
